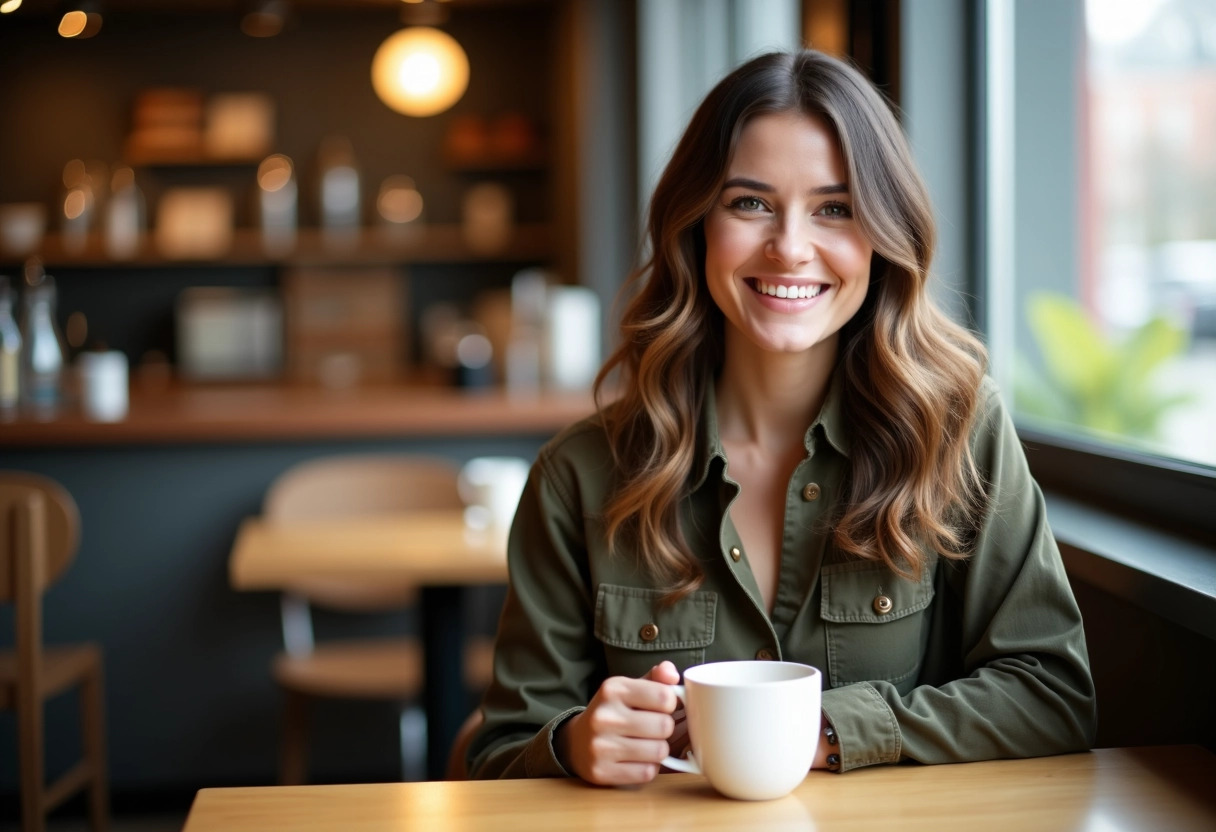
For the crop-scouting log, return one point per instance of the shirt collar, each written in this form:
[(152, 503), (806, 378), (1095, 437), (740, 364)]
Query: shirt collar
[(831, 416), (830, 420), (709, 445)]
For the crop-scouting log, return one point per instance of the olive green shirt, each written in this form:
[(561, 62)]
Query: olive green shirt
[(980, 658)]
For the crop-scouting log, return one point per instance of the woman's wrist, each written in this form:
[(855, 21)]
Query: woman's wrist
[(561, 745)]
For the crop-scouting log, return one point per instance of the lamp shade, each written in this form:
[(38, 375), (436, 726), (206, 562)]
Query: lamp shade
[(420, 71)]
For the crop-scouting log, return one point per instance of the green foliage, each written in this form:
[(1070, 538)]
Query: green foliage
[(1092, 381)]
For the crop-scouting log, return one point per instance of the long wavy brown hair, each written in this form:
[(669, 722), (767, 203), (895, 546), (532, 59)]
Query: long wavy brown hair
[(910, 375)]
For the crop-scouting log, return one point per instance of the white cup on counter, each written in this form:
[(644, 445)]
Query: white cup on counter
[(753, 725), (491, 487), (103, 385)]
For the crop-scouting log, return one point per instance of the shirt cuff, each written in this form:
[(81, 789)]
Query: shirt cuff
[(540, 757), (865, 726)]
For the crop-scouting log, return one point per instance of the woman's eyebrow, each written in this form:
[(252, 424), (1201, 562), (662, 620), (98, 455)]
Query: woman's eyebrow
[(750, 184), (756, 185)]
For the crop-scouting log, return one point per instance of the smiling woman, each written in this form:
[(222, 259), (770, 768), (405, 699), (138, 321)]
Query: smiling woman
[(806, 463)]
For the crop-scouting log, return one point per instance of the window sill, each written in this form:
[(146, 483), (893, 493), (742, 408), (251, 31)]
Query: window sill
[(1168, 575)]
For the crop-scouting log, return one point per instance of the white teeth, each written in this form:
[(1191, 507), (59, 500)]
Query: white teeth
[(778, 290)]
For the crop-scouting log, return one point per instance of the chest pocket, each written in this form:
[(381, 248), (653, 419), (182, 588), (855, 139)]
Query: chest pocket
[(876, 623), (638, 632)]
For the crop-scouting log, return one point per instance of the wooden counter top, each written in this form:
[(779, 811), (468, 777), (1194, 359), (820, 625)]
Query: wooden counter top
[(1111, 789), (268, 413)]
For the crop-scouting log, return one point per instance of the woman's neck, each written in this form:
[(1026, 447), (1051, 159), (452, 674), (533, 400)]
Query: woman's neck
[(769, 399)]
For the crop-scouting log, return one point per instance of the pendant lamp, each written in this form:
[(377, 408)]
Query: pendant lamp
[(420, 70)]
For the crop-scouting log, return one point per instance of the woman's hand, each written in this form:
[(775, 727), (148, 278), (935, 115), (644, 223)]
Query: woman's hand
[(622, 736)]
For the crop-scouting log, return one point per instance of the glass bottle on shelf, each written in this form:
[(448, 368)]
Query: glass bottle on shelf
[(42, 360), (77, 207), (124, 219), (278, 200), (10, 354), (341, 206)]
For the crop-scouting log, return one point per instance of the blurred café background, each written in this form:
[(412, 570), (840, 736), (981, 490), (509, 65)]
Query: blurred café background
[(237, 236)]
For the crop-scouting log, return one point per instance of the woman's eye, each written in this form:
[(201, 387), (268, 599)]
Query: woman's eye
[(836, 210), (747, 203)]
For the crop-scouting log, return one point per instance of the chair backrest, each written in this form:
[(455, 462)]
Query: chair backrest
[(356, 486), (54, 537)]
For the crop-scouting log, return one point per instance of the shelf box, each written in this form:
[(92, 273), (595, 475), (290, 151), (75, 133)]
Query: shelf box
[(345, 325)]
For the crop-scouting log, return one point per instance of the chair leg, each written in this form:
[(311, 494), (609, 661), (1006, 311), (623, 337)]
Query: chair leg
[(93, 721), (29, 739), (412, 734), (293, 751)]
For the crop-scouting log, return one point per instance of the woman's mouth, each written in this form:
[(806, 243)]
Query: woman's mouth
[(781, 290)]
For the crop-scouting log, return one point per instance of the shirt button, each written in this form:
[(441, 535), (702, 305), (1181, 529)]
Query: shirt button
[(765, 655), (882, 605), (811, 492), (649, 632), (735, 553)]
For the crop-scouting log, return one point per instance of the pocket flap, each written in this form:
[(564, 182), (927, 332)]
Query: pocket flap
[(850, 590), (634, 618)]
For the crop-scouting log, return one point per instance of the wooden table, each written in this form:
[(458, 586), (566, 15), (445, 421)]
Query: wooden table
[(431, 549), (1110, 790)]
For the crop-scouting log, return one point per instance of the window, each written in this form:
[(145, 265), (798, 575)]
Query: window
[(1100, 204)]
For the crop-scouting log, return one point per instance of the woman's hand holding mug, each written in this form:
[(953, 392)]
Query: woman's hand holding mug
[(623, 735)]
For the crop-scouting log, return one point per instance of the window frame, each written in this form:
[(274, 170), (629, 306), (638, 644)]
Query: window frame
[(1173, 495)]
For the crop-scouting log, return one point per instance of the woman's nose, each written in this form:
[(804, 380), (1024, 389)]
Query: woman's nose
[(791, 243)]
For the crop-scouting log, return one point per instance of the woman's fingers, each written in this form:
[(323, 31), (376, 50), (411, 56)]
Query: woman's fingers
[(642, 694), (650, 725), (630, 750), (664, 672), (626, 774), (614, 718)]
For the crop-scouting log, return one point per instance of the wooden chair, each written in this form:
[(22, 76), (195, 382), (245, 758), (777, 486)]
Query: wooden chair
[(458, 767), (387, 669), (39, 533)]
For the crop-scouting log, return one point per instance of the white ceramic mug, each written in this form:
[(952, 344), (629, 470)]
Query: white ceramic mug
[(491, 487), (753, 725)]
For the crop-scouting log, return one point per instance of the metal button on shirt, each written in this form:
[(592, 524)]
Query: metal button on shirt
[(649, 632), (811, 491), (735, 553), (765, 655), (882, 605)]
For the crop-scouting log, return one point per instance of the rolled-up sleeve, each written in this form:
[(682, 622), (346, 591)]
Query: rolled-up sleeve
[(1025, 688), (545, 659)]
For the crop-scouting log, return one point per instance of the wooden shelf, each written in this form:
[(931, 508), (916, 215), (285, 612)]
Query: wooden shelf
[(370, 247), (291, 412), (177, 160)]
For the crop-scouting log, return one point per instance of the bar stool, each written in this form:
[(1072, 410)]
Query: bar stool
[(39, 534)]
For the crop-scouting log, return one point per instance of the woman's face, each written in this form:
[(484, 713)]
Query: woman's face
[(785, 260)]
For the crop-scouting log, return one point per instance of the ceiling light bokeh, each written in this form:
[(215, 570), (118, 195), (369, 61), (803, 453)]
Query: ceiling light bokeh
[(81, 22), (420, 71)]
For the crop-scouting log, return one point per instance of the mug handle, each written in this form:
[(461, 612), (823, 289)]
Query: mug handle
[(688, 766)]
